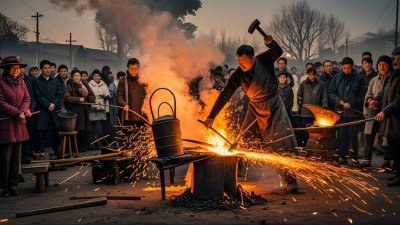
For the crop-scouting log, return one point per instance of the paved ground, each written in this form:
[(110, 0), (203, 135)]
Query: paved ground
[(309, 207)]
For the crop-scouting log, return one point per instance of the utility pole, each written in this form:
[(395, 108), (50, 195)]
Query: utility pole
[(397, 19), (70, 50), (347, 47), (37, 36)]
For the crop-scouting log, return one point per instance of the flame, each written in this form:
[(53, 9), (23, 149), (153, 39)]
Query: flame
[(323, 117)]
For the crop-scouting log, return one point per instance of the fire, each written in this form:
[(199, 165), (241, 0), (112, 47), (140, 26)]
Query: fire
[(323, 117)]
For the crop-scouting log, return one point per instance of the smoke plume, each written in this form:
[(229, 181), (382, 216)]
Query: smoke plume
[(167, 58)]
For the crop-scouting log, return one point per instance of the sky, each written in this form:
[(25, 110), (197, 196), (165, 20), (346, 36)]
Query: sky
[(234, 16)]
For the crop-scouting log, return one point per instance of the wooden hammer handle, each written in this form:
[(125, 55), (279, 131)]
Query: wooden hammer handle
[(261, 32)]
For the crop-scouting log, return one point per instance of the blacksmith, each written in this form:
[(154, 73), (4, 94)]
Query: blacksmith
[(130, 94), (256, 76)]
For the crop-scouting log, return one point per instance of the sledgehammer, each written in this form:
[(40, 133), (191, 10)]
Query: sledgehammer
[(255, 25)]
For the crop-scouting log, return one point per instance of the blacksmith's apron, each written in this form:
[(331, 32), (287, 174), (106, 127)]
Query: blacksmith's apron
[(273, 122)]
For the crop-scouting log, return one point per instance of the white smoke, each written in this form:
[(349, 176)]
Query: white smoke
[(167, 58)]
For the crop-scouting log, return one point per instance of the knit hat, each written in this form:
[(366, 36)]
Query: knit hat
[(347, 60), (386, 59)]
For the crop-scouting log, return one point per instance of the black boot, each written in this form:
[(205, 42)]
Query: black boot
[(14, 191), (6, 193), (395, 182)]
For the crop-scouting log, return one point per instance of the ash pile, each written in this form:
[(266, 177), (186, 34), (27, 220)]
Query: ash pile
[(241, 199)]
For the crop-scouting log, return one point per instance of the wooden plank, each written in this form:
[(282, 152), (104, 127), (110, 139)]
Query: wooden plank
[(36, 168), (108, 197), (90, 203)]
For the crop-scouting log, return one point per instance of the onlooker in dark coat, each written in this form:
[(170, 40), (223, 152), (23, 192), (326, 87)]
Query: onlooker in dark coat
[(371, 108), (62, 78), (327, 78), (14, 107), (131, 94), (390, 117), (29, 146), (75, 93), (286, 93), (311, 91), (48, 98), (347, 92)]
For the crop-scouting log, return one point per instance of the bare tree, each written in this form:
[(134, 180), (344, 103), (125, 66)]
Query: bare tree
[(11, 30), (301, 30), (336, 32), (106, 40)]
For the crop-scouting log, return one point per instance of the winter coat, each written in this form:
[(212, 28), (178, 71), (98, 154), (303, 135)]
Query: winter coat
[(286, 94), (312, 93), (100, 90), (62, 84), (14, 100), (112, 88), (351, 89), (374, 89), (28, 82), (261, 86), (47, 92), (390, 105), (369, 77), (136, 93), (327, 81), (73, 92)]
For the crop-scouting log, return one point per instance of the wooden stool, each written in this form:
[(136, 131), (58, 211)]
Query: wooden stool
[(41, 171), (67, 136)]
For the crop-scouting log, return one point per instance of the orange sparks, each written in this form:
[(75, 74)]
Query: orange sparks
[(69, 178), (350, 220), (3, 220)]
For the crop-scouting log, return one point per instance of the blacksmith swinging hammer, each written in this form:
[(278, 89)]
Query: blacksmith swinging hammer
[(256, 25)]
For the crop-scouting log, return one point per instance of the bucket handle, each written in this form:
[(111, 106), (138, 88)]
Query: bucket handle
[(159, 106), (151, 108)]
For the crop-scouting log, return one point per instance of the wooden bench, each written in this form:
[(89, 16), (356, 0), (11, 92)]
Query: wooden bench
[(170, 162), (41, 171)]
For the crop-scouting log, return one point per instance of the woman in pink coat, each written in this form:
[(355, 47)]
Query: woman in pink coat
[(14, 107)]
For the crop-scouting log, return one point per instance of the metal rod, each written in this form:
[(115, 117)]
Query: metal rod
[(6, 118), (115, 106), (199, 142), (335, 126), (217, 132)]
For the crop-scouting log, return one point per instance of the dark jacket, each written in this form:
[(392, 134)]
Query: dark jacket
[(73, 92), (28, 82), (351, 89), (327, 81), (47, 92), (369, 77), (390, 127), (312, 93), (287, 95), (136, 94), (62, 89), (14, 100)]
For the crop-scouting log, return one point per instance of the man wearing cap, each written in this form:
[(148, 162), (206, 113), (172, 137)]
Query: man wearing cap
[(14, 108), (347, 91)]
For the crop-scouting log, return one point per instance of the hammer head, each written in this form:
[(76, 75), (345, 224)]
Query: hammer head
[(253, 26)]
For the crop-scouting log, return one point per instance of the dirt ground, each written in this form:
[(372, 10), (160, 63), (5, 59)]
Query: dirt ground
[(308, 207)]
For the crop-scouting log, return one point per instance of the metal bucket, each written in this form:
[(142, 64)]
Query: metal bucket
[(67, 121), (167, 131)]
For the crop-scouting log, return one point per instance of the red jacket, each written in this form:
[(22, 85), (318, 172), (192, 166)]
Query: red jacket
[(14, 99)]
